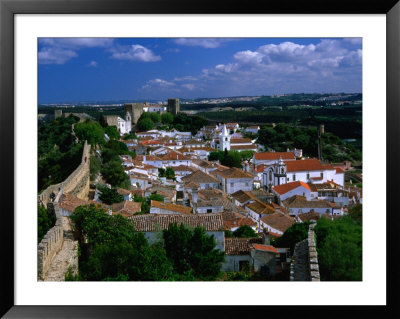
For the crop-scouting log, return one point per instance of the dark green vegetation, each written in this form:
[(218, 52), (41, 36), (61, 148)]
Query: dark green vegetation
[(46, 220), (111, 250), (192, 252), (58, 152), (95, 166), (294, 234), (227, 158), (343, 122), (109, 195), (339, 246), (284, 136), (91, 131), (146, 202), (168, 173), (242, 232)]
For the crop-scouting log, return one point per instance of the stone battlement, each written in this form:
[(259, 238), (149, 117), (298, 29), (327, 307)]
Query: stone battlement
[(304, 265)]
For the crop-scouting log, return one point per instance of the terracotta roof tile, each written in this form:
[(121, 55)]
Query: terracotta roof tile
[(171, 207), (305, 165), (278, 221), (284, 188), (234, 173), (265, 248), (155, 222), (270, 156), (199, 177), (240, 246)]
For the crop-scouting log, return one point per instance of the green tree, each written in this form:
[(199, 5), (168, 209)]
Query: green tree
[(145, 124), (110, 196), (102, 121), (90, 131), (232, 159), (170, 173), (115, 251), (356, 213), (339, 246), (112, 132), (193, 252), (167, 118), (114, 174), (156, 197), (95, 167), (46, 221), (245, 232), (161, 172), (294, 234)]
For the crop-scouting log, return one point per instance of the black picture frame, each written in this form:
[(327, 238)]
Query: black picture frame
[(8, 8)]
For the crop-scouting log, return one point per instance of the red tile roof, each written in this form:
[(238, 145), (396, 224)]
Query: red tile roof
[(274, 156), (155, 222), (278, 221), (284, 188), (265, 248), (304, 165), (240, 246), (171, 207)]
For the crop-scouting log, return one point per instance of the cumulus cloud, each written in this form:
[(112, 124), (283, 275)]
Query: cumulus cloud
[(50, 55), (158, 83), (135, 52), (61, 50), (93, 64), (331, 65), (208, 43)]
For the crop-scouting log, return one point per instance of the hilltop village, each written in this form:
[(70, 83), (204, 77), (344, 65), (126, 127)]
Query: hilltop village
[(218, 177)]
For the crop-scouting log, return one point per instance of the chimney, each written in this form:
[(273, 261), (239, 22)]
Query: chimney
[(195, 195)]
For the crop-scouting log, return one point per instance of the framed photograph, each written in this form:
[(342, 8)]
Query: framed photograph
[(55, 52)]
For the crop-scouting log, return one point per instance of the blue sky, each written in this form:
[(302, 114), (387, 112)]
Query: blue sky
[(100, 69)]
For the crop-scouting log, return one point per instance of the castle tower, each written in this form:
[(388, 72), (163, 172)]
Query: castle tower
[(280, 172), (173, 106), (135, 110), (225, 140)]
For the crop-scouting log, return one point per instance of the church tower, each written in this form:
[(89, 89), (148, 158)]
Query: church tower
[(128, 122), (224, 140), (280, 172)]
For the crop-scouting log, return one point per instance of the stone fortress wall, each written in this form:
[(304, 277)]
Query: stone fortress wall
[(304, 265), (77, 184)]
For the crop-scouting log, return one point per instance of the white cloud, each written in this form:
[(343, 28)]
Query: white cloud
[(189, 86), (158, 83), (208, 43), (135, 52), (61, 50), (49, 55), (76, 43), (93, 64)]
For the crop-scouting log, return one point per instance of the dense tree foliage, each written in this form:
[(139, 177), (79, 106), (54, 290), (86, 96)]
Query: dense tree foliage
[(184, 122), (112, 132), (167, 118), (114, 174), (91, 131), (227, 158), (192, 252), (169, 173), (339, 246), (294, 234), (284, 136), (356, 213), (109, 195), (130, 136), (95, 166), (58, 153), (153, 116), (245, 232), (112, 250), (46, 221), (145, 124), (115, 251)]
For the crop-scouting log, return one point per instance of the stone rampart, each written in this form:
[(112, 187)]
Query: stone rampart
[(304, 265), (77, 183), (51, 243)]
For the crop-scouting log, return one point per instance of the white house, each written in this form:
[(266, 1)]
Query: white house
[(252, 129), (287, 190), (202, 179), (233, 179), (168, 208)]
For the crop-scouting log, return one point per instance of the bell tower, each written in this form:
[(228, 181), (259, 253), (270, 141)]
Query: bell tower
[(225, 140), (280, 172)]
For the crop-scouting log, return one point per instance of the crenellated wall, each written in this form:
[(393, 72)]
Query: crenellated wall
[(51, 243), (77, 183), (304, 265)]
